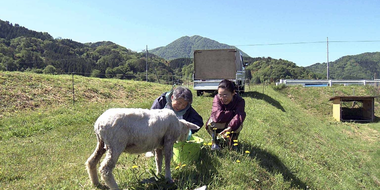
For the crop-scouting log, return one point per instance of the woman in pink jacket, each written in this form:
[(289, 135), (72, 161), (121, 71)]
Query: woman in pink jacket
[(227, 115)]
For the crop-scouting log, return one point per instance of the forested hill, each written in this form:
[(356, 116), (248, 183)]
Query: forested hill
[(362, 66), (22, 49), (184, 47), (272, 70)]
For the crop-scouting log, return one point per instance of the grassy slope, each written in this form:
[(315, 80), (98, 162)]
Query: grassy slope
[(292, 140)]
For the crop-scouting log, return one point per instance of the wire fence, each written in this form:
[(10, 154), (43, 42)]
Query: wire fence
[(161, 79)]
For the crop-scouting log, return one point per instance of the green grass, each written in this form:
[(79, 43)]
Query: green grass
[(289, 139)]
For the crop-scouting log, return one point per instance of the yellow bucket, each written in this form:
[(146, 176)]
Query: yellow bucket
[(187, 152)]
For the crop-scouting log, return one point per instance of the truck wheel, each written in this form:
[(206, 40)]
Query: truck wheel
[(241, 91)]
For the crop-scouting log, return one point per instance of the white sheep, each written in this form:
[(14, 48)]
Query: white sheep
[(135, 131)]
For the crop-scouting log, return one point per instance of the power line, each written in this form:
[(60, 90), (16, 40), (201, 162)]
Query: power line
[(315, 42)]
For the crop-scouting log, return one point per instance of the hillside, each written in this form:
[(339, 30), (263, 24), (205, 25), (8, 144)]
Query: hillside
[(22, 49), (184, 47), (362, 66), (289, 139)]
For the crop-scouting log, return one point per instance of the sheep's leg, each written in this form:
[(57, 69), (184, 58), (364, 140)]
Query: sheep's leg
[(168, 151), (108, 165), (158, 160), (93, 160)]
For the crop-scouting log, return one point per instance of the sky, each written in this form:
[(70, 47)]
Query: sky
[(294, 30)]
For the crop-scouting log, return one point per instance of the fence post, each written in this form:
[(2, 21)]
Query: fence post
[(73, 88), (263, 87)]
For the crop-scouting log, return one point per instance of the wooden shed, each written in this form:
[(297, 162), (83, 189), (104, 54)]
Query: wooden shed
[(354, 108)]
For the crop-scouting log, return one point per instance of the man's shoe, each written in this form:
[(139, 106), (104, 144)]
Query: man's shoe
[(215, 147)]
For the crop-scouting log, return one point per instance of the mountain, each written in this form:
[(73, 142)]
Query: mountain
[(184, 47), (361, 66)]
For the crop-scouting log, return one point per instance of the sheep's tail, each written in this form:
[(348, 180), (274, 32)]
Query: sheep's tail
[(93, 160)]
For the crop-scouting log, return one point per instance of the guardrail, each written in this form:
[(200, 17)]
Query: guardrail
[(375, 82)]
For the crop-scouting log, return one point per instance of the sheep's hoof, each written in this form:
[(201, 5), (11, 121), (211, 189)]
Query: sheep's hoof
[(101, 186), (149, 180)]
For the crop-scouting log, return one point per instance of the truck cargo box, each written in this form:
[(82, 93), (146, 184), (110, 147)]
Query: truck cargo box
[(212, 66), (216, 64)]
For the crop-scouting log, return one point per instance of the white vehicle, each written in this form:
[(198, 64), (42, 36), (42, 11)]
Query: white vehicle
[(212, 66)]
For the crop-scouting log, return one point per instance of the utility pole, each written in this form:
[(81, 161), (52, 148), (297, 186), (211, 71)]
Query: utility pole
[(327, 58), (146, 64)]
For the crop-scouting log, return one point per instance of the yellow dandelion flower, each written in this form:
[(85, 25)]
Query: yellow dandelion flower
[(228, 133), (134, 167), (209, 144), (238, 161), (204, 144), (183, 165), (177, 167), (228, 136), (236, 141), (214, 128), (235, 144), (247, 152)]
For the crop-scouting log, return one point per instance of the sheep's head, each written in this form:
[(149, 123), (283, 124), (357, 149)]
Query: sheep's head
[(185, 126)]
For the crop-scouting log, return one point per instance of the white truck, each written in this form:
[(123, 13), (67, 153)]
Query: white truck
[(212, 66)]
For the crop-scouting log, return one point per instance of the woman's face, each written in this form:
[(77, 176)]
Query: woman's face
[(179, 104), (225, 96)]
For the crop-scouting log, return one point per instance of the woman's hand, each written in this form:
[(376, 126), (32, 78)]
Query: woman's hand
[(224, 132)]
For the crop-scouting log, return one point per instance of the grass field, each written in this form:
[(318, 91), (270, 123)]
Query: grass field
[(289, 140)]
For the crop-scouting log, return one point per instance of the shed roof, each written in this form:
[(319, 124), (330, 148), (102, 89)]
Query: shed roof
[(352, 98)]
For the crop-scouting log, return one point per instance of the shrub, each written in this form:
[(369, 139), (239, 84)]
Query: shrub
[(279, 87), (95, 73), (50, 69)]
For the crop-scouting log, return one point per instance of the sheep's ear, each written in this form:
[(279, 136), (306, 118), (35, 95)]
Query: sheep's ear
[(189, 124)]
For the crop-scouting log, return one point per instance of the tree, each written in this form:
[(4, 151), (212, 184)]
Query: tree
[(109, 72), (9, 64), (2, 67)]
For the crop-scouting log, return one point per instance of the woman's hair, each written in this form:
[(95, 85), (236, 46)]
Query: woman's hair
[(227, 84), (185, 93)]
